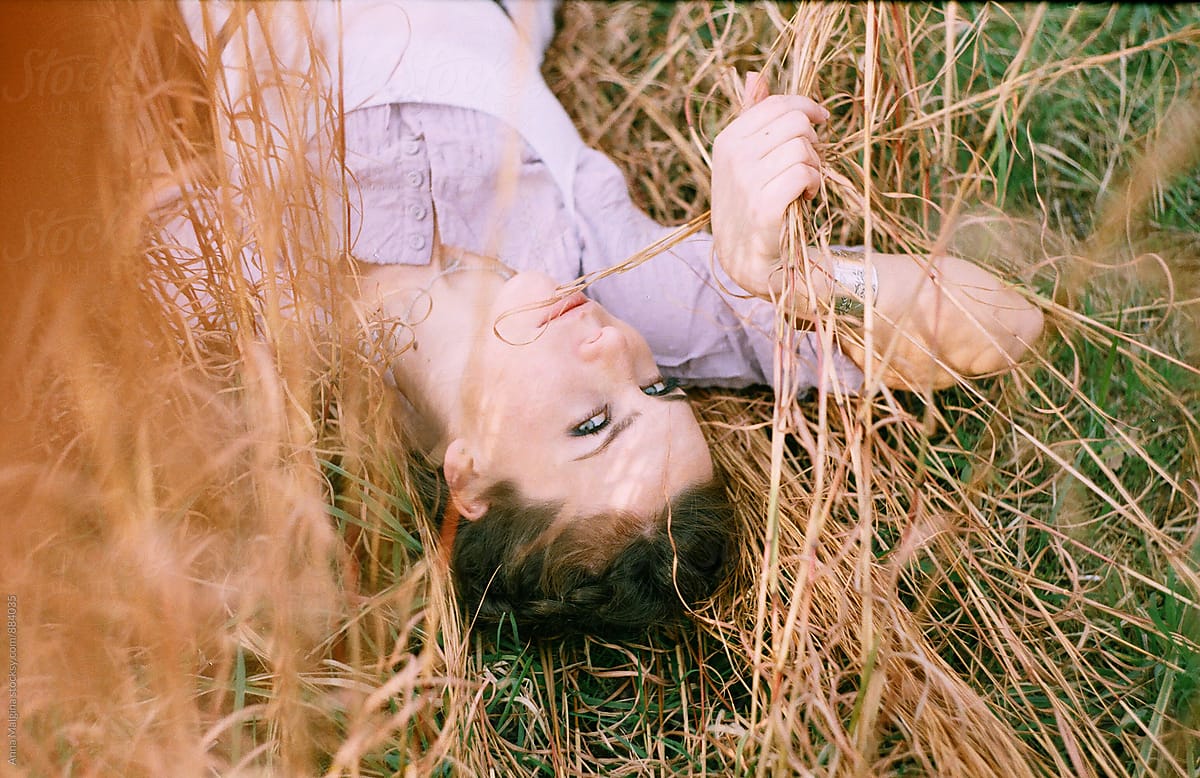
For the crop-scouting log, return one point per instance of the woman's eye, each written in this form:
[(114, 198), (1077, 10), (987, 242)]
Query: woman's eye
[(661, 386), (594, 423)]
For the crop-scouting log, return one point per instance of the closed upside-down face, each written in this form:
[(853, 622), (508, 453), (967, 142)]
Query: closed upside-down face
[(564, 401)]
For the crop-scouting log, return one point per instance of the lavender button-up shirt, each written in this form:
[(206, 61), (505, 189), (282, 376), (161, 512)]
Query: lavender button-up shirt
[(449, 122)]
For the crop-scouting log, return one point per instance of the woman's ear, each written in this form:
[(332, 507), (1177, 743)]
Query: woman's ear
[(467, 485)]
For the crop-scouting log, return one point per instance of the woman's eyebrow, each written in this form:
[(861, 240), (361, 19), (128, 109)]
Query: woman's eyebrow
[(616, 430)]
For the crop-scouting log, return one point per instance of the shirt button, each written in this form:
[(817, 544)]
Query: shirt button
[(416, 211), (412, 146), (417, 242), (415, 178)]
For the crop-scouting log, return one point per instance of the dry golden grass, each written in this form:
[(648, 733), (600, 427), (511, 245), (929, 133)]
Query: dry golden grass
[(216, 563)]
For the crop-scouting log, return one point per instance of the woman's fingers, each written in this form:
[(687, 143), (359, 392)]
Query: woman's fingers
[(786, 129), (786, 186), (755, 91), (758, 116), (784, 132), (797, 171)]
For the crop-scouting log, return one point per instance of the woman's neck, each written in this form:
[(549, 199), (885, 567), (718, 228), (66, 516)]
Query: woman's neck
[(440, 309)]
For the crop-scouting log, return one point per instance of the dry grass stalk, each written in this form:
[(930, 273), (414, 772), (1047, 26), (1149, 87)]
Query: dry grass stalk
[(212, 528)]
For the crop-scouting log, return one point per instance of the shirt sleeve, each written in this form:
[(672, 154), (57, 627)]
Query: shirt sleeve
[(701, 326)]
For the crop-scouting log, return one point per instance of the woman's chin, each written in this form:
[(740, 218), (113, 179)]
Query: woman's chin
[(522, 305)]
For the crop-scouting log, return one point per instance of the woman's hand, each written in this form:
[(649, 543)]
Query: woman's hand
[(762, 162), (936, 321)]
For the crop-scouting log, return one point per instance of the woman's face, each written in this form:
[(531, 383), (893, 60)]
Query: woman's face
[(565, 401)]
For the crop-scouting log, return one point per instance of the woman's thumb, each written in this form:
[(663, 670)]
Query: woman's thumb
[(755, 90)]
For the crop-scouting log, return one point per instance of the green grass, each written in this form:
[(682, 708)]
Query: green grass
[(1145, 672), (1070, 143)]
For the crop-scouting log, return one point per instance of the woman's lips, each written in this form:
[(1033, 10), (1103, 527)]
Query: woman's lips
[(564, 306)]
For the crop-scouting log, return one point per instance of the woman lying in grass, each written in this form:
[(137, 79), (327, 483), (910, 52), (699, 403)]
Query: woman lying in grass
[(578, 491)]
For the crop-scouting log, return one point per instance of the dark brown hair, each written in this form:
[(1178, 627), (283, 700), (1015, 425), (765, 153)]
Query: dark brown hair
[(602, 575)]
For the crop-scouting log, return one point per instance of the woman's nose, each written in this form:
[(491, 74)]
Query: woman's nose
[(606, 345)]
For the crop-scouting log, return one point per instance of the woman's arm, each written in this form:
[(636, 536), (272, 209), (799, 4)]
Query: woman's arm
[(932, 320), (935, 320)]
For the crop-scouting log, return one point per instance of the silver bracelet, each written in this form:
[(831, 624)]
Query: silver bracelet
[(851, 277)]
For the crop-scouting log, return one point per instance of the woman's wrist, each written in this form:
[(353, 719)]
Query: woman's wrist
[(837, 278), (854, 282)]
